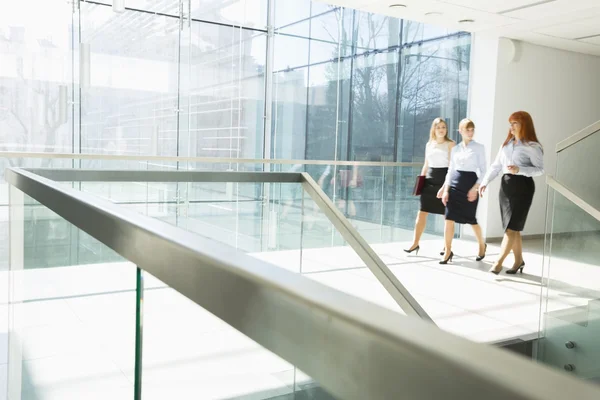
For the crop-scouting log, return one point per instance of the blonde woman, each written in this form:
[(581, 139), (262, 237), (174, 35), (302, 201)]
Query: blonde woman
[(437, 159), (460, 193)]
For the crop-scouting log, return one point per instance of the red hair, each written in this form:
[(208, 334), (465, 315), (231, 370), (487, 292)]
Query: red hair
[(527, 128)]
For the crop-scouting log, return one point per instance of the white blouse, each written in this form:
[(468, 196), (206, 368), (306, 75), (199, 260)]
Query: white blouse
[(437, 155), (529, 157), (468, 158)]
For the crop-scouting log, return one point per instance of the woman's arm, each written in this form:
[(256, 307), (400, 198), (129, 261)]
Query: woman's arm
[(536, 156), (494, 170), (481, 165), (446, 186), (425, 167)]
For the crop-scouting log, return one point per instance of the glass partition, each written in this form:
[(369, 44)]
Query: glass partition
[(79, 324), (571, 308), (571, 164), (188, 351), (74, 327), (72, 307), (276, 222)]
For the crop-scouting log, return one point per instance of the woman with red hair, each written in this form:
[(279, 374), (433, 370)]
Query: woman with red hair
[(520, 158)]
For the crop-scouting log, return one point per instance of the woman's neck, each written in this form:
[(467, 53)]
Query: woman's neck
[(466, 141), (440, 140)]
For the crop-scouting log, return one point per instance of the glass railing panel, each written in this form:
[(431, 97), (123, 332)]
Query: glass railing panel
[(4, 286), (266, 297), (229, 212), (401, 207), (276, 222), (157, 199), (72, 306), (328, 258), (251, 217), (571, 312), (190, 353), (573, 168), (380, 203)]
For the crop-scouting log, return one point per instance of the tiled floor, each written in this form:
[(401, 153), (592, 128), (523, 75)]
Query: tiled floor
[(462, 297), (78, 323)]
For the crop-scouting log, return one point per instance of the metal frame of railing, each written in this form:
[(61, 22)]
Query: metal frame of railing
[(354, 349), (572, 197), (577, 137), (200, 160)]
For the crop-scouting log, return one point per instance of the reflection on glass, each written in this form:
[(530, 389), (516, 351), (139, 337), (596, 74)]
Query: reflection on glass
[(434, 83), (248, 13), (130, 104), (352, 90), (36, 83), (225, 95), (571, 312)]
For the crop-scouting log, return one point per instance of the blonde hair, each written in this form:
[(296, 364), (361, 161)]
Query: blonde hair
[(466, 123), (434, 124)]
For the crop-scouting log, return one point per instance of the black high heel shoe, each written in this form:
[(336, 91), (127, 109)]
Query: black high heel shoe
[(479, 258), (513, 271), (416, 249), (447, 260)]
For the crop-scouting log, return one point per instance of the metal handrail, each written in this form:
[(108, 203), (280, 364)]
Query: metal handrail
[(207, 160), (381, 271), (571, 196), (354, 349), (577, 137)]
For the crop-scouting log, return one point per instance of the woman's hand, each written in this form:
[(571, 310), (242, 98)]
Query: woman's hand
[(513, 169), (440, 193), (481, 190), (472, 195), (445, 197)]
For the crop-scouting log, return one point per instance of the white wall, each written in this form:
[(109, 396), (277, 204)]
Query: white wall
[(560, 89), (482, 89)]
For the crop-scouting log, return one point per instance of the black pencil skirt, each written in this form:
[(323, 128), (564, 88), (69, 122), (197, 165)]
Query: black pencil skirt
[(433, 183), (516, 195), (459, 209)]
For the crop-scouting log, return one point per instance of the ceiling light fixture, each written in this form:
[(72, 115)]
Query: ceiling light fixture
[(433, 14), (397, 5), (466, 21)]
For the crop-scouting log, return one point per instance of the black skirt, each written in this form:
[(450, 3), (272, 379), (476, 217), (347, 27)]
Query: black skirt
[(433, 183), (516, 195), (459, 209)]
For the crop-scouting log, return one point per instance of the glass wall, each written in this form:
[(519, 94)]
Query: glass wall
[(228, 79), (231, 79), (354, 86), (349, 85), (344, 84)]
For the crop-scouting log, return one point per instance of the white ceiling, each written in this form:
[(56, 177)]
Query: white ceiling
[(564, 24)]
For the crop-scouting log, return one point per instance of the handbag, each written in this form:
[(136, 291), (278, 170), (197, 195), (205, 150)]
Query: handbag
[(419, 183)]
